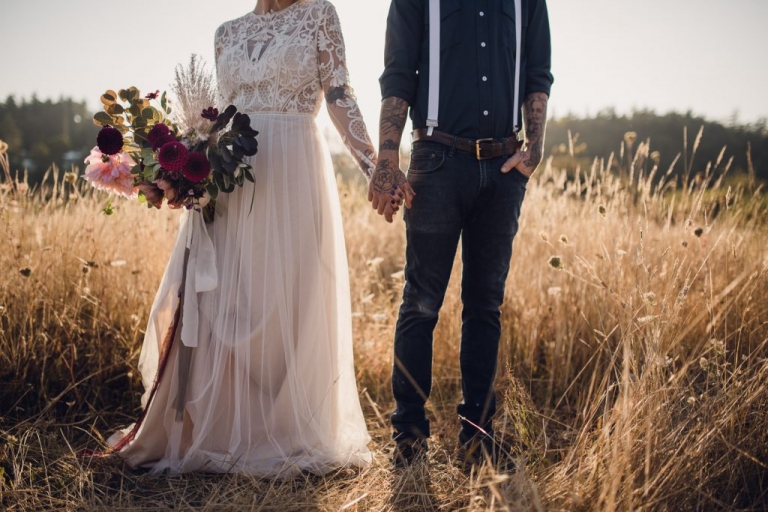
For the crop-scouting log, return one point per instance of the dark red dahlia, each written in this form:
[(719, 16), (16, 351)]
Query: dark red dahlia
[(211, 114), (173, 156), (153, 95), (110, 141), (197, 168), (159, 135)]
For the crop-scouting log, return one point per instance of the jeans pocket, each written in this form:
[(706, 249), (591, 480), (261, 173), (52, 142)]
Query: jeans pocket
[(426, 160), (522, 177)]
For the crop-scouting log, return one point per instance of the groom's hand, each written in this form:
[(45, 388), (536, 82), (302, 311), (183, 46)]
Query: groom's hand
[(389, 188), (524, 161)]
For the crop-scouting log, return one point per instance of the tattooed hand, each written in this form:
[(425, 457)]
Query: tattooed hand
[(388, 188), (535, 114)]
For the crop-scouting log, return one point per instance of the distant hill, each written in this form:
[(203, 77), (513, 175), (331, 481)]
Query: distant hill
[(603, 134)]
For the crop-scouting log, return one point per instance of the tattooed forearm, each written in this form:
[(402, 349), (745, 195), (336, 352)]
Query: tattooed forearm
[(389, 145), (394, 112), (535, 114)]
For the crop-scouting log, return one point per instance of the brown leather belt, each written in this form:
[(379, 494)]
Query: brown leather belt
[(483, 149)]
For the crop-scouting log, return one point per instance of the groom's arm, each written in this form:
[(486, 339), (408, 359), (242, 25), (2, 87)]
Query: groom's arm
[(388, 183), (405, 26), (538, 84)]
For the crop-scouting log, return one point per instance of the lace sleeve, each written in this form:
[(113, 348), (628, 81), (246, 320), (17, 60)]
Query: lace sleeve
[(339, 96), (225, 96)]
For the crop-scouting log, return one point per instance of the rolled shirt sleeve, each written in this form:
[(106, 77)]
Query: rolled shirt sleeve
[(405, 26), (538, 44)]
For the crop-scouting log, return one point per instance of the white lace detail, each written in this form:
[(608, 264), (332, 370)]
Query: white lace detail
[(287, 62)]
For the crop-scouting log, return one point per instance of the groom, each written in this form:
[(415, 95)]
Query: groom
[(465, 183)]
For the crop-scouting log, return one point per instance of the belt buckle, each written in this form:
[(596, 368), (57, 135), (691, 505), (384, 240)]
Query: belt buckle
[(478, 148)]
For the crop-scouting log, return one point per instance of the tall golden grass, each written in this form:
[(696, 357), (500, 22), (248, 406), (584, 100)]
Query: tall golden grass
[(634, 357)]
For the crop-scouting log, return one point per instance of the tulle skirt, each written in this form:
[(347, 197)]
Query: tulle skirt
[(271, 388)]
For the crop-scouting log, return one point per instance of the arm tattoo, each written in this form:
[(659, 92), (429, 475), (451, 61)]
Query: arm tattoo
[(390, 145), (535, 112), (387, 175), (334, 94), (394, 113)]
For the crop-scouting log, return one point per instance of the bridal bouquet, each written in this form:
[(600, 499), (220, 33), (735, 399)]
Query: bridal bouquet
[(187, 160)]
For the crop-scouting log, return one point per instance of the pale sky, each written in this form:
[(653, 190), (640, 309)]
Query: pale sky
[(707, 56)]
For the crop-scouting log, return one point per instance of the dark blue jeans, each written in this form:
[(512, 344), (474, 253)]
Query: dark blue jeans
[(458, 199)]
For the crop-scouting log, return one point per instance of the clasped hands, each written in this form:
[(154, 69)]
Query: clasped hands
[(388, 188)]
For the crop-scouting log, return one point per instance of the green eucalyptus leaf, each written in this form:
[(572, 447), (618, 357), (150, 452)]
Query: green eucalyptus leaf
[(237, 152), (102, 119), (133, 94), (212, 190), (109, 98), (226, 155), (114, 109)]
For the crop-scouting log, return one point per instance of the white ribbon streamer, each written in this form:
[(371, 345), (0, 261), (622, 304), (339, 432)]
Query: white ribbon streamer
[(201, 274)]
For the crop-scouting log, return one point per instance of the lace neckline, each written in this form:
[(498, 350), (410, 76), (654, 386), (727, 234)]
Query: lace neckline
[(272, 13)]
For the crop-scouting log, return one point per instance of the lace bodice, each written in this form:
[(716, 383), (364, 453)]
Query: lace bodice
[(286, 62)]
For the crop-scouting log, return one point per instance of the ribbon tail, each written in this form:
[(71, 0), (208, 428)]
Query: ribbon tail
[(199, 275), (184, 356)]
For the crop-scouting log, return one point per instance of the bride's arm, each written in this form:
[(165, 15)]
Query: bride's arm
[(339, 96)]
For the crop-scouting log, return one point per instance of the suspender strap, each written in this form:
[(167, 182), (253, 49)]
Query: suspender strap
[(518, 58), (434, 64)]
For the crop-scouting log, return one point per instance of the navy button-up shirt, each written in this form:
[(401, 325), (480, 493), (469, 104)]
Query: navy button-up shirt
[(477, 62)]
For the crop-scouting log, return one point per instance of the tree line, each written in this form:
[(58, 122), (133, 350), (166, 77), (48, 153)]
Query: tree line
[(603, 134), (41, 133)]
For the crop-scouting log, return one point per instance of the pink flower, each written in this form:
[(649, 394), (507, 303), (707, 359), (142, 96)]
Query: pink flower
[(111, 173)]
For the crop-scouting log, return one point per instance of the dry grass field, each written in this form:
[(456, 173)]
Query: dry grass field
[(634, 361)]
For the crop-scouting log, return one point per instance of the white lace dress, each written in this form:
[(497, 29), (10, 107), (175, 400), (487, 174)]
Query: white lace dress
[(272, 387)]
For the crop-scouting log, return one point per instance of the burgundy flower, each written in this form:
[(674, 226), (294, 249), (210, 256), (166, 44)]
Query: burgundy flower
[(211, 114), (153, 193), (153, 95), (110, 141), (198, 167), (159, 135), (173, 156)]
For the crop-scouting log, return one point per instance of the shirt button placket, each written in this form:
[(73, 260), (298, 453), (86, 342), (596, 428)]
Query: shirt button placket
[(484, 68)]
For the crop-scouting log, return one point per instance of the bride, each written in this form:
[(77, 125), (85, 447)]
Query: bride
[(269, 389)]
